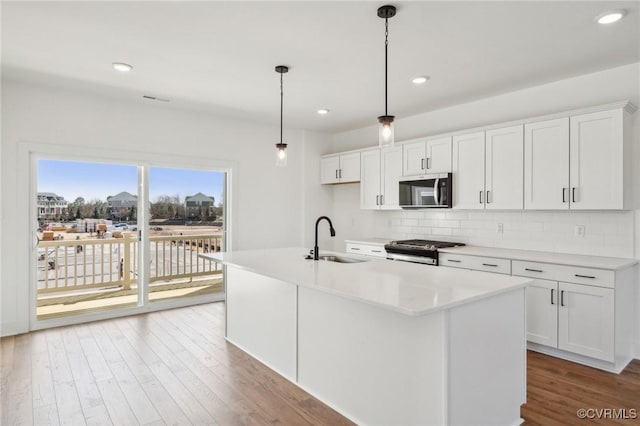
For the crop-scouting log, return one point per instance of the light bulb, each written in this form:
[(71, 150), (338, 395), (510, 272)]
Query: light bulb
[(385, 132), (281, 154)]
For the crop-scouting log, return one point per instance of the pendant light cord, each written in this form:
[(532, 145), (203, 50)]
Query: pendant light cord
[(281, 102), (386, 46)]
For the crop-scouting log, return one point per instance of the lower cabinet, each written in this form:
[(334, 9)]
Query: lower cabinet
[(571, 317), (364, 249)]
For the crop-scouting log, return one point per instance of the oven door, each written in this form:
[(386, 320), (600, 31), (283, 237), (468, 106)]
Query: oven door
[(429, 192)]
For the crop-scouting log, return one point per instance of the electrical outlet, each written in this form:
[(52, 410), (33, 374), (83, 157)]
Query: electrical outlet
[(579, 231), (499, 228)]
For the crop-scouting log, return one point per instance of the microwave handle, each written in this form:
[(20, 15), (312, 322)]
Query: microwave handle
[(436, 191)]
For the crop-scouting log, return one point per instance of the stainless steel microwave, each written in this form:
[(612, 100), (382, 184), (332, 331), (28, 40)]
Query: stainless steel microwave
[(427, 191)]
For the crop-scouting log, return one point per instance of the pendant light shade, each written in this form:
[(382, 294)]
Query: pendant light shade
[(281, 157), (385, 126)]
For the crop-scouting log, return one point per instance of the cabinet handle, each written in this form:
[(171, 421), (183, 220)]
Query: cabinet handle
[(453, 260), (487, 197), (340, 173), (375, 251), (573, 194), (552, 296), (564, 195), (355, 248), (422, 164), (427, 161), (481, 196), (490, 264), (382, 200), (336, 173), (584, 276), (377, 200), (533, 270), (561, 297)]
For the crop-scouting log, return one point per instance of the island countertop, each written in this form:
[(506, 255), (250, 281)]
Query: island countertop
[(408, 288)]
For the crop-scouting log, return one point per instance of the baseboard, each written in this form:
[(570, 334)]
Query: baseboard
[(580, 359)]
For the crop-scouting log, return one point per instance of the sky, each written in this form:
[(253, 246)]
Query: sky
[(72, 179)]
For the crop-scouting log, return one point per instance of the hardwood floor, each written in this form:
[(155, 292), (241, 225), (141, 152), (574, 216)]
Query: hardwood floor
[(558, 389), (174, 367)]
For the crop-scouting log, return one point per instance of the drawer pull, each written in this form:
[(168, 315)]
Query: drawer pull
[(490, 264), (453, 260), (552, 296), (355, 248), (376, 251), (584, 276), (533, 270), (561, 297)]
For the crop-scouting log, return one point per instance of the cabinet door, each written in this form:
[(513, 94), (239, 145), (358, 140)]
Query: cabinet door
[(391, 171), (413, 162), (504, 157), (546, 165), (586, 320), (438, 155), (370, 180), (349, 167), (542, 312), (468, 171), (596, 164), (329, 169)]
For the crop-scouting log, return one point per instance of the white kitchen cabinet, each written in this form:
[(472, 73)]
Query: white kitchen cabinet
[(340, 168), (596, 165), (381, 170), (586, 320), (542, 312), (425, 157), (488, 170), (364, 249), (546, 164), (468, 171), (475, 263), (504, 172)]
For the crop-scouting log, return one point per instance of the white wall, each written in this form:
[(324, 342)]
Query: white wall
[(268, 202), (614, 233)]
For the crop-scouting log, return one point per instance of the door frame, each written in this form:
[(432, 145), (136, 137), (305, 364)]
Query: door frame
[(31, 152)]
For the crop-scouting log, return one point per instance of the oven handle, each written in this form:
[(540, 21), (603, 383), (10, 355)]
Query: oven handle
[(435, 191)]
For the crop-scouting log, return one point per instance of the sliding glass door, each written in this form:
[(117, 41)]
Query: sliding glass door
[(95, 252)]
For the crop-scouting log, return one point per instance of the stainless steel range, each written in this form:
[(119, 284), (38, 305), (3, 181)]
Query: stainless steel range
[(419, 251)]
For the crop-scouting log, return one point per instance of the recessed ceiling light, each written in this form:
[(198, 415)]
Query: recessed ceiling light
[(420, 79), (323, 111), (122, 67), (610, 16)]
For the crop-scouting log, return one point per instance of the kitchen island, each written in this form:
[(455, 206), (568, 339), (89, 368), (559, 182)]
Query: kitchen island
[(383, 342)]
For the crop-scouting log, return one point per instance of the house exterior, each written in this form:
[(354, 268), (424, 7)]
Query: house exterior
[(199, 205), (120, 206), (51, 205)]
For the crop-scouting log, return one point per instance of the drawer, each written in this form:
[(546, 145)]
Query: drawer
[(570, 274), (453, 260), (367, 250), (490, 264), (477, 263)]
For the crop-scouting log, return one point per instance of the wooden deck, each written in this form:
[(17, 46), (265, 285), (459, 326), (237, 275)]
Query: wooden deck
[(175, 367)]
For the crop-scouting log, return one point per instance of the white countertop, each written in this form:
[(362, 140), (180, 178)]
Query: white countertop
[(408, 288), (598, 262)]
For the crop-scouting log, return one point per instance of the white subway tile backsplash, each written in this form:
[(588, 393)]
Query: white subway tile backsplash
[(606, 233)]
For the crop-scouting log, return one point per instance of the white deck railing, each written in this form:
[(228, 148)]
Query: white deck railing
[(113, 262)]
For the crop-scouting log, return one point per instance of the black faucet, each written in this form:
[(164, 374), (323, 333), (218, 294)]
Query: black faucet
[(316, 250)]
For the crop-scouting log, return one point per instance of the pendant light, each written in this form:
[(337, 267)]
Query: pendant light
[(385, 126), (281, 159)]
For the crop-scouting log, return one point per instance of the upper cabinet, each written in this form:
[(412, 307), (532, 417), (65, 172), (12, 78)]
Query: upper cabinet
[(381, 171), (582, 162), (340, 168), (546, 164), (468, 171), (596, 161), (488, 171), (432, 156)]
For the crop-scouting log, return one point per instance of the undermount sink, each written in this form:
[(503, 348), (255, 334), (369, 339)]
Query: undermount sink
[(341, 259)]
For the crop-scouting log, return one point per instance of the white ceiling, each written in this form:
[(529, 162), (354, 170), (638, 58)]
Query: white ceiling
[(220, 56)]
